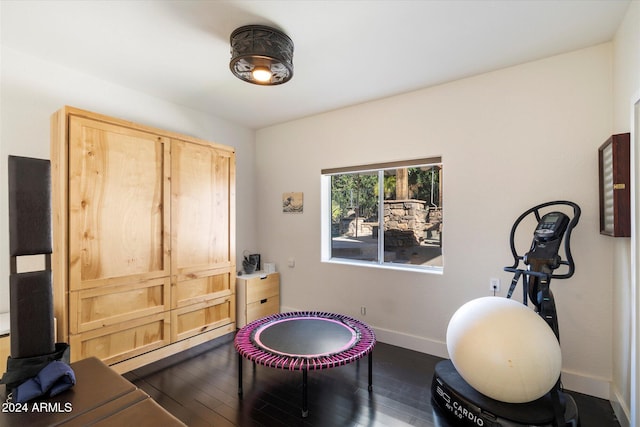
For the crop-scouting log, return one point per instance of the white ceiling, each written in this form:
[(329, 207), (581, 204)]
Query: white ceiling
[(346, 52)]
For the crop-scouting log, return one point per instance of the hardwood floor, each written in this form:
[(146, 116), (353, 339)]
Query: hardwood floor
[(200, 386)]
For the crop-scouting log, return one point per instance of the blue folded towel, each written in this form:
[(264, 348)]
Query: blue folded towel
[(52, 380)]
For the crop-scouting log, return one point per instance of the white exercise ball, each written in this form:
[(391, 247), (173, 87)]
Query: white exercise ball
[(504, 349)]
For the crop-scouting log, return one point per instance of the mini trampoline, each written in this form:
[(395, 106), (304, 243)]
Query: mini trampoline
[(303, 341)]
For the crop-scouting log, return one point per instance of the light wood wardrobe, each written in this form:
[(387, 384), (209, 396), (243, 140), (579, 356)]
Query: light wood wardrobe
[(144, 239)]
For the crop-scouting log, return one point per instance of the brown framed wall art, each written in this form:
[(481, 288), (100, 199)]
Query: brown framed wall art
[(615, 186)]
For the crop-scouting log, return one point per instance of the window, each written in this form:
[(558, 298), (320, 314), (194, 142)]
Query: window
[(387, 215)]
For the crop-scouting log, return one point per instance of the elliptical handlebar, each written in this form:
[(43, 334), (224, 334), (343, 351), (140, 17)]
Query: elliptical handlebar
[(567, 241)]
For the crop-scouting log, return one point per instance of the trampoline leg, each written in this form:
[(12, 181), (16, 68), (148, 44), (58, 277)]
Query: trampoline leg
[(305, 409), (370, 371), (240, 375)]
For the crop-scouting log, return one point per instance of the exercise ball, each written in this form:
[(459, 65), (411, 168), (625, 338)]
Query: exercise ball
[(504, 349)]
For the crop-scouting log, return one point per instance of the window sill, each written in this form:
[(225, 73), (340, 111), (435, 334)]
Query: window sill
[(387, 266)]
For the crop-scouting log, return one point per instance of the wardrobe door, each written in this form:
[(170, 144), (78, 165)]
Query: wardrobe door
[(203, 244), (118, 205), (119, 257)]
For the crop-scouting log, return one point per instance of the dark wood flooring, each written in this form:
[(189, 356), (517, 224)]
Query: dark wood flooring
[(200, 387)]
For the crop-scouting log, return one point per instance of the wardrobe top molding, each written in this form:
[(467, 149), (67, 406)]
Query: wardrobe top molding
[(67, 111)]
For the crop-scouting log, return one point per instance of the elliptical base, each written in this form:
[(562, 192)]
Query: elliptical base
[(455, 400)]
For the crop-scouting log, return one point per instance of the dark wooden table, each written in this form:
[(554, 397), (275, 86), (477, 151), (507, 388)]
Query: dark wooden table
[(101, 397)]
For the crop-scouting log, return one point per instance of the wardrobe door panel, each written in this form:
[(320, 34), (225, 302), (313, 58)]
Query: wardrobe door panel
[(201, 214), (117, 211), (202, 242)]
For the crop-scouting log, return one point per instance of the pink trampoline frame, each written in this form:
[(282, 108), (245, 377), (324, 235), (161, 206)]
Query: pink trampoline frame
[(247, 343)]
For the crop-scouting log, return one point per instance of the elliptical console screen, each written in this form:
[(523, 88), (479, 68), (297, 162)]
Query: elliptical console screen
[(551, 226)]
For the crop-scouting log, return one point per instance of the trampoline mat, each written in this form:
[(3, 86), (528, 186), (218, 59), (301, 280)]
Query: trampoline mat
[(305, 337)]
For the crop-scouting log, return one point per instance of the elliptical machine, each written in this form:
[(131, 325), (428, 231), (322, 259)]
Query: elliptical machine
[(454, 399)]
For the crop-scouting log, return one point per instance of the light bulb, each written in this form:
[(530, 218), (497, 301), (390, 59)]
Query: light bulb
[(261, 74)]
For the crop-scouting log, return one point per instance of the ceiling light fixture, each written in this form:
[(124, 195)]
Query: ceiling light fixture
[(261, 55)]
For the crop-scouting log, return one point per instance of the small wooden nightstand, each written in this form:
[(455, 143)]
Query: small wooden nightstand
[(257, 295)]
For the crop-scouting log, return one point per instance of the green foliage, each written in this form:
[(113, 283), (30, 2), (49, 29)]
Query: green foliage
[(356, 194), (389, 186), (424, 184)]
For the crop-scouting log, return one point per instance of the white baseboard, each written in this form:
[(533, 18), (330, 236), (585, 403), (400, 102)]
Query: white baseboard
[(593, 386), (412, 342), (620, 408), (597, 387), (575, 381)]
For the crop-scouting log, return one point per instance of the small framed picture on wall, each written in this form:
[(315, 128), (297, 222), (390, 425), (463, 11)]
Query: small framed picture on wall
[(292, 202)]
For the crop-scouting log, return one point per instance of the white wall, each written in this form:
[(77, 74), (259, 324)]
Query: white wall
[(509, 140), (31, 90), (626, 67)]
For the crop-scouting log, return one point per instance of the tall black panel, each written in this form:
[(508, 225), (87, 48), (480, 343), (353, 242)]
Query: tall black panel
[(31, 293)]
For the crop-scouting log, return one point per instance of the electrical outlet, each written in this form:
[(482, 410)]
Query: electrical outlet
[(494, 284), (363, 310)]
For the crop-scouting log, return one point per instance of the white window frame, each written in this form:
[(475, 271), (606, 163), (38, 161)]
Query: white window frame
[(325, 216)]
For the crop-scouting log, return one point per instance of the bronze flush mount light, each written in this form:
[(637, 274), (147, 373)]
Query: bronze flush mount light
[(261, 55)]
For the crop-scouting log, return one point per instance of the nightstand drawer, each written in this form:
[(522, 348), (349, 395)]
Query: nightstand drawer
[(257, 295), (260, 288), (263, 308)]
